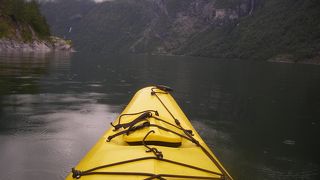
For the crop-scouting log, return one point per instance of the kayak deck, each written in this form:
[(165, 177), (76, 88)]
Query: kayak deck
[(151, 139)]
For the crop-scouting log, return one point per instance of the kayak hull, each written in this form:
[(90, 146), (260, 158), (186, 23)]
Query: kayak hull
[(163, 129)]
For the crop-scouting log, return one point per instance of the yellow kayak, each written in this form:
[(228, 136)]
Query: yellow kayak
[(151, 139)]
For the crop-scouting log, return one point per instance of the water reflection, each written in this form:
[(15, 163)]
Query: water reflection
[(261, 119), (45, 134), (20, 72), (42, 130)]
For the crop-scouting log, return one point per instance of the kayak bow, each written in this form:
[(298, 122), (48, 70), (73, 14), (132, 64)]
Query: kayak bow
[(151, 139)]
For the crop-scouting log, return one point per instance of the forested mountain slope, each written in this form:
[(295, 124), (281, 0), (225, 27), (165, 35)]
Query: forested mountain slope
[(247, 29), (23, 28)]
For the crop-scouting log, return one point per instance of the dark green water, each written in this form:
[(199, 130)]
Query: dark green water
[(261, 119)]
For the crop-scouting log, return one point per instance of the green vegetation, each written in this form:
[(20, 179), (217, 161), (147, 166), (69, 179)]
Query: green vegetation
[(69, 42), (4, 28), (276, 28), (21, 14), (279, 27)]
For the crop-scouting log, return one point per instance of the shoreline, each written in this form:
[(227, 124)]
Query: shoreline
[(42, 46), (290, 60)]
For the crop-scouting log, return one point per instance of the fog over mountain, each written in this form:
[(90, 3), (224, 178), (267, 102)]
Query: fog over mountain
[(256, 29)]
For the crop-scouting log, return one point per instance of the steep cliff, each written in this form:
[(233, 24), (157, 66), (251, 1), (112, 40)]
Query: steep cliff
[(250, 29), (153, 26), (175, 22), (281, 30)]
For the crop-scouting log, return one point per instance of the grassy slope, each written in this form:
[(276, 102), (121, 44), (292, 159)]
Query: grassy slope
[(279, 27)]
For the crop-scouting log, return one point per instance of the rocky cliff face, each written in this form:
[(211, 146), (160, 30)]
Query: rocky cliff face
[(247, 29), (173, 23), (16, 42), (140, 26)]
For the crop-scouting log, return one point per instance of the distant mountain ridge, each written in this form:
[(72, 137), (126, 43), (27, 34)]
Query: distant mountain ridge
[(254, 29)]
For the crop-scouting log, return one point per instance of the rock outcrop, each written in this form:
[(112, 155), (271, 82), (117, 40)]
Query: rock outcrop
[(23, 28), (54, 44)]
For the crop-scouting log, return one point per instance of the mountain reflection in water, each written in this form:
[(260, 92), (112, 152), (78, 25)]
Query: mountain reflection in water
[(261, 119)]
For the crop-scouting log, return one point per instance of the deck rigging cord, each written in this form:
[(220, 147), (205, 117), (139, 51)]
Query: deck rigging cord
[(166, 90), (155, 151), (119, 125), (77, 174), (142, 121)]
